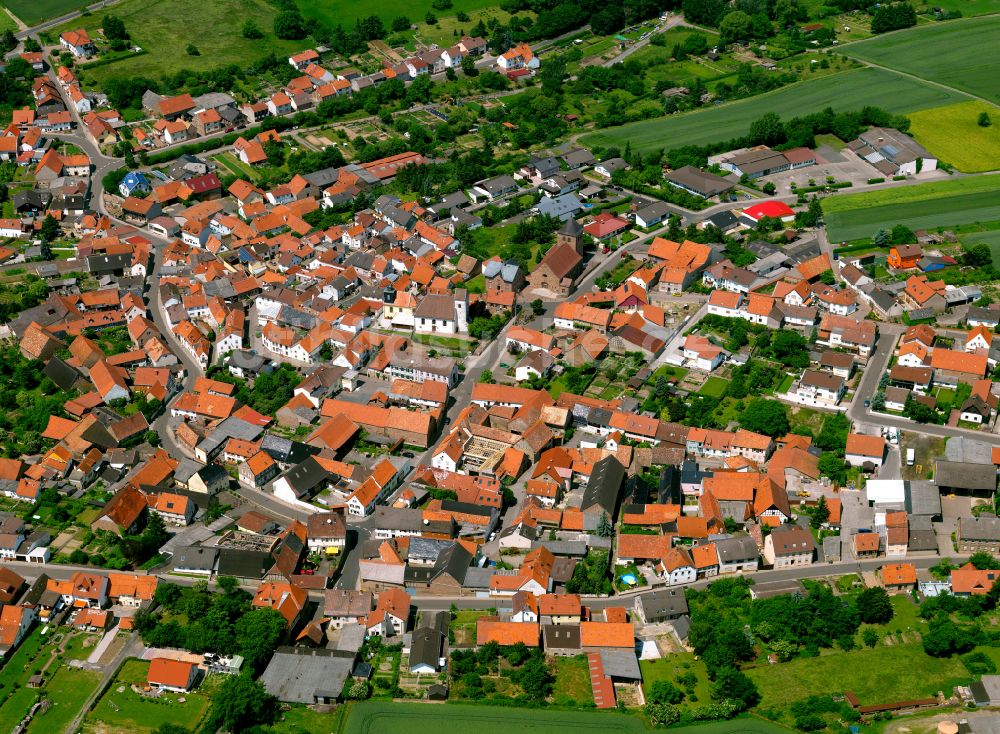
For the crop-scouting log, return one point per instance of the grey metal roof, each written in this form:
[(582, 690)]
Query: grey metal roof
[(301, 674), (196, 558), (982, 528), (621, 664), (961, 475)]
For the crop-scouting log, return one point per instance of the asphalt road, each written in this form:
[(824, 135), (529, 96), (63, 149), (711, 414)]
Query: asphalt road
[(817, 570)]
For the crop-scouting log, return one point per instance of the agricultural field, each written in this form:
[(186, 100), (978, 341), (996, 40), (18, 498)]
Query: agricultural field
[(968, 8), (388, 718), (953, 134), (345, 14), (939, 204), (850, 90), (155, 27), (961, 54), (990, 238), (32, 12)]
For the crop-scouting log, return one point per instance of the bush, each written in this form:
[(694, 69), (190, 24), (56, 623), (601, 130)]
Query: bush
[(876, 180), (979, 663)]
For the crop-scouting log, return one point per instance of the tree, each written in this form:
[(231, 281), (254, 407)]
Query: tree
[(172, 729), (820, 513), (977, 256), (902, 235), (228, 584), (881, 238), (400, 23), (114, 28), (919, 412), (192, 50), (984, 119), (469, 66), (874, 605), (535, 679), (769, 188), (984, 561), (893, 16), (765, 416), (604, 527), (704, 12), (8, 41), (734, 685), (45, 250), (50, 228), (240, 704), (537, 307), (251, 30), (832, 466), (736, 26), (663, 691), (869, 637), (944, 638), (767, 130), (289, 25)]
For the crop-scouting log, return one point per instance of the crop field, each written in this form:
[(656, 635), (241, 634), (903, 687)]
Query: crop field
[(346, 12), (962, 54), (968, 8), (989, 238), (939, 204), (155, 26), (952, 133), (388, 718), (850, 90), (35, 11)]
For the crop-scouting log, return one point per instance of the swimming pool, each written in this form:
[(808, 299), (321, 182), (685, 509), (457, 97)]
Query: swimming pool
[(629, 578)]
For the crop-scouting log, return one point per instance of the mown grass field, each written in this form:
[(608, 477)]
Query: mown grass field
[(850, 90), (7, 23), (35, 11), (952, 133), (156, 25), (949, 203), (962, 54), (389, 718), (68, 690), (346, 12), (914, 675), (127, 712)]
